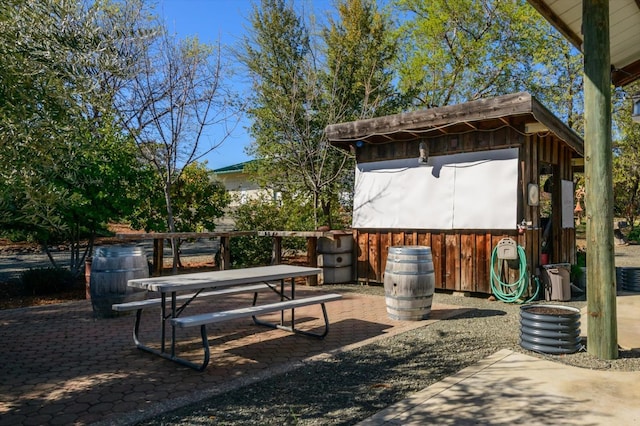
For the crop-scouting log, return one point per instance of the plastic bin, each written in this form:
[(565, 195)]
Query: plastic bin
[(557, 281)]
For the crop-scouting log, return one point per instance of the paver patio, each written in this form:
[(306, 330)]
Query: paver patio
[(62, 366)]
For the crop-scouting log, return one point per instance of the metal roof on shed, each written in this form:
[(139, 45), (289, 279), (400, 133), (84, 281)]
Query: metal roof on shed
[(624, 32)]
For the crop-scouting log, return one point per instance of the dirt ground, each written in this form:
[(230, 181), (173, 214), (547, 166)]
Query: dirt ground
[(628, 255)]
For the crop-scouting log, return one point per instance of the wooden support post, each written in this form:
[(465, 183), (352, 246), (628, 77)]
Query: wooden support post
[(158, 256), (602, 332), (225, 253), (312, 258), (276, 251)]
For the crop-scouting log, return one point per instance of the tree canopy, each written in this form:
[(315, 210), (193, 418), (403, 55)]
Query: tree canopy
[(626, 160), (96, 95), (455, 51), (302, 83), (61, 157), (68, 165)]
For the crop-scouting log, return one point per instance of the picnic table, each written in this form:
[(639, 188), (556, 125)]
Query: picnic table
[(177, 292)]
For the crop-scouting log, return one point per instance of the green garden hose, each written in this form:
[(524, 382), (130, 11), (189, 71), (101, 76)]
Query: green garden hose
[(511, 292)]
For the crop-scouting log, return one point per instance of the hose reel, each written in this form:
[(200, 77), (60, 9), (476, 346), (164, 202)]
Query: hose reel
[(508, 251)]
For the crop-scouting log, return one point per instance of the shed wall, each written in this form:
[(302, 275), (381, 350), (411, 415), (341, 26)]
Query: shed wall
[(462, 258)]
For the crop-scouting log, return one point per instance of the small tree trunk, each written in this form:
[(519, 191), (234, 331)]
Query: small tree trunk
[(45, 248), (172, 226), (326, 211), (633, 205)]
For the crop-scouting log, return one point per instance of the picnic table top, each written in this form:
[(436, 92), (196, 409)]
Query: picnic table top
[(225, 278)]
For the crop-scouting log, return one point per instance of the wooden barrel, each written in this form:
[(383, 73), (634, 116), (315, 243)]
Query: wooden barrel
[(111, 268), (409, 282)]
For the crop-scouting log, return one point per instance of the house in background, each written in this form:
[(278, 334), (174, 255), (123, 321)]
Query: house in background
[(236, 181), (241, 188)]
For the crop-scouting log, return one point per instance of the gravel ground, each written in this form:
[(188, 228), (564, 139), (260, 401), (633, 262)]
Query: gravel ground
[(351, 386)]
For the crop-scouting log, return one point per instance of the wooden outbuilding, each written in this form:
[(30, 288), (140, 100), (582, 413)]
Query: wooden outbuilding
[(459, 179)]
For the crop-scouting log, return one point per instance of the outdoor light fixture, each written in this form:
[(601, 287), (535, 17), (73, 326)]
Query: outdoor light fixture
[(424, 153), (635, 110)]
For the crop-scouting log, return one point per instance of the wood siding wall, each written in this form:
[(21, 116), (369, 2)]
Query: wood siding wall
[(462, 258)]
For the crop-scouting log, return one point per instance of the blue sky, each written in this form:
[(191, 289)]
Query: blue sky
[(224, 21)]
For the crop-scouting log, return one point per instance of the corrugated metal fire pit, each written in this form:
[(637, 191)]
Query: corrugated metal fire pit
[(628, 278), (551, 329)]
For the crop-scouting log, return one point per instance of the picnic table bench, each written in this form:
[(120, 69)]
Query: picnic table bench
[(205, 285)]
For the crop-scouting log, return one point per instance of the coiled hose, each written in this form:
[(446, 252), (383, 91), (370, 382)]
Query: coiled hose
[(511, 292)]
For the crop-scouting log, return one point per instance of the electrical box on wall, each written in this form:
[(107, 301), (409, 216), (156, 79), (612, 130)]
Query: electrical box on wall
[(507, 249)]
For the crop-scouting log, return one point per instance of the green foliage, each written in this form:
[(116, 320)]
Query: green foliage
[(634, 235), (16, 235), (361, 51), (459, 50), (149, 214), (65, 169), (197, 202), (295, 95), (260, 214), (42, 281), (626, 162), (87, 180), (581, 258), (268, 214)]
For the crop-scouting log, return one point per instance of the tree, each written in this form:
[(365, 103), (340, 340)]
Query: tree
[(626, 161), (178, 93), (295, 96), (361, 51), (198, 200), (255, 214), (360, 54), (71, 195), (470, 49), (554, 74), (286, 127), (61, 157)]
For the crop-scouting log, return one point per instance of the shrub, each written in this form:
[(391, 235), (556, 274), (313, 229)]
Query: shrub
[(268, 214), (250, 251), (41, 281), (581, 258), (634, 235), (255, 215)]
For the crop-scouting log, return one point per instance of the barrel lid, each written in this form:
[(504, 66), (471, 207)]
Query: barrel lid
[(409, 250), (119, 251)]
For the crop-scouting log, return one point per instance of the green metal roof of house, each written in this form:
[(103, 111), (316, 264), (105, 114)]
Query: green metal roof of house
[(233, 168)]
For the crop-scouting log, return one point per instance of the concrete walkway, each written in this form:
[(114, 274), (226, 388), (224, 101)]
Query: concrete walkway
[(510, 388)]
